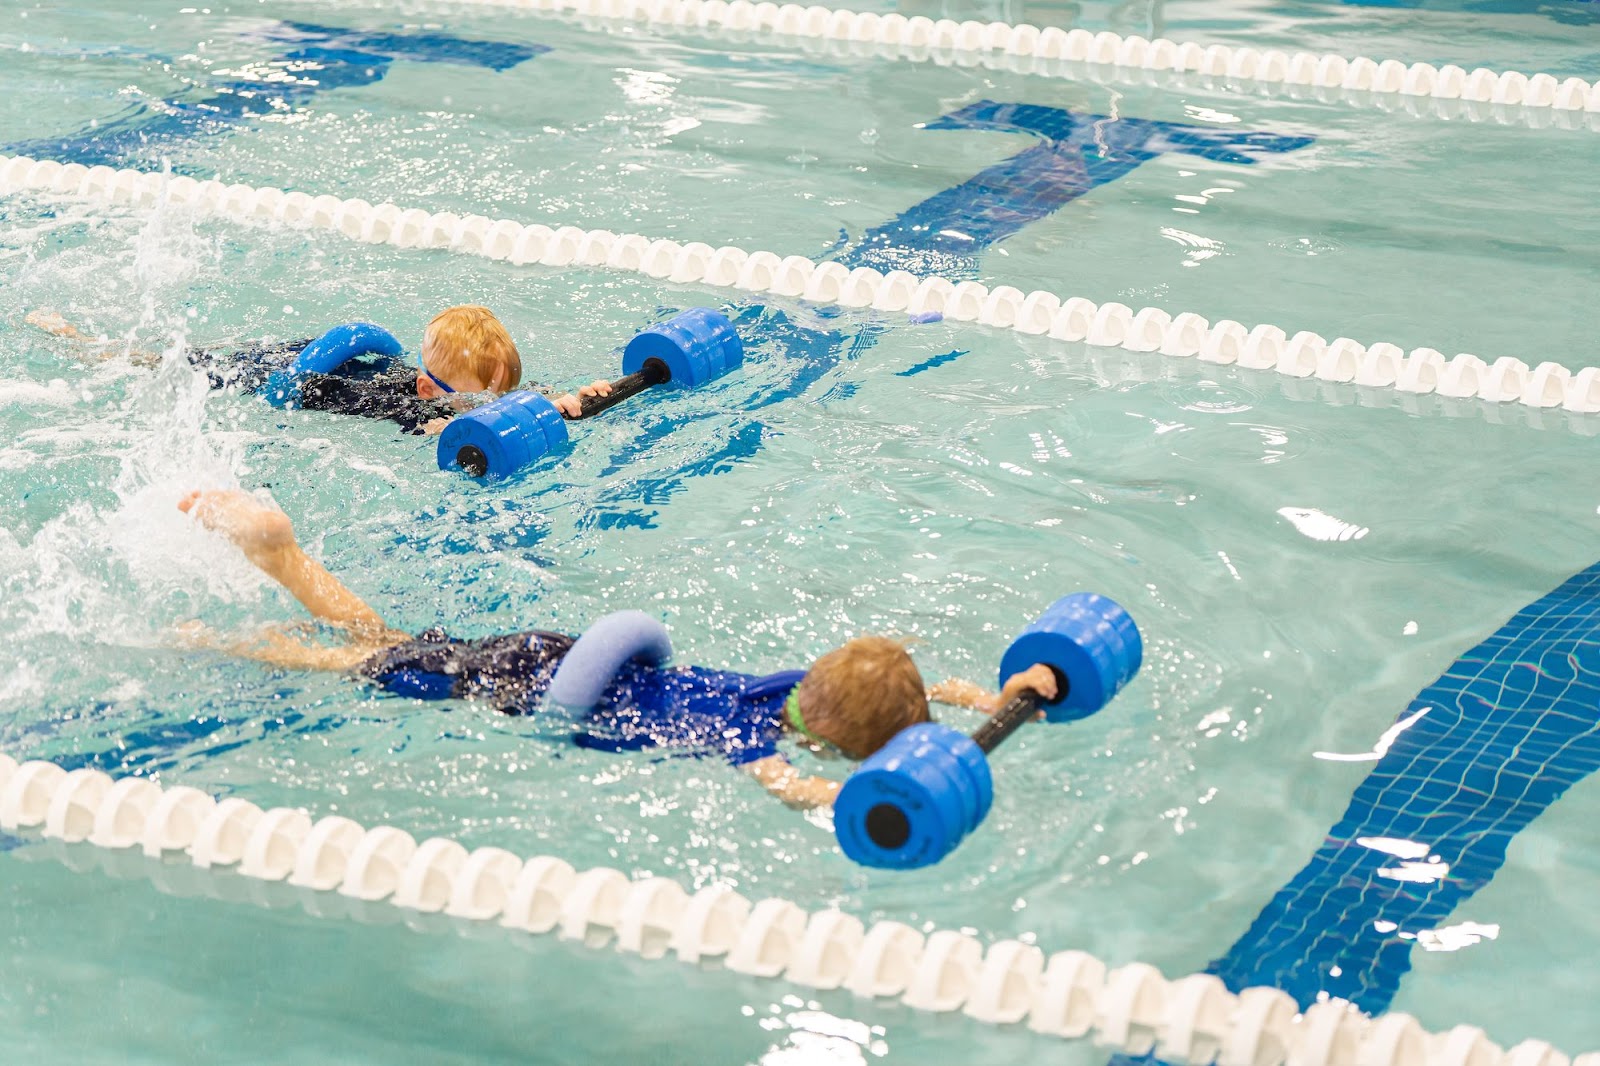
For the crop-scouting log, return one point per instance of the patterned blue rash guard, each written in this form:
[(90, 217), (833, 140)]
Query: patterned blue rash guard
[(686, 708)]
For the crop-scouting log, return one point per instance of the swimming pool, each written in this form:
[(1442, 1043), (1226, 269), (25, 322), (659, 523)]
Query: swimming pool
[(1303, 557)]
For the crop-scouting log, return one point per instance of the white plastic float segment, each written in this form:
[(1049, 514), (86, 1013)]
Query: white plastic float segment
[(1449, 92), (1306, 355), (1071, 994)]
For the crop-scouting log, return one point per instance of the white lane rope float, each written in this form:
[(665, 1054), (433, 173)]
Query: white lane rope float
[(1445, 91), (1070, 994), (1304, 354)]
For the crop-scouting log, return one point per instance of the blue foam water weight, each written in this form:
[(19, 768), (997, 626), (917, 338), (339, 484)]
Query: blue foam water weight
[(697, 345), (510, 433), (1090, 641), (912, 803)]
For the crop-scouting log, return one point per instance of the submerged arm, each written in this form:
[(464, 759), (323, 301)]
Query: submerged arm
[(277, 648), (797, 790), (52, 323)]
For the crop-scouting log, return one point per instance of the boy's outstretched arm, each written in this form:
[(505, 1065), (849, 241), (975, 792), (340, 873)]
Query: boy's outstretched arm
[(958, 693), (572, 405), (798, 790), (266, 537)]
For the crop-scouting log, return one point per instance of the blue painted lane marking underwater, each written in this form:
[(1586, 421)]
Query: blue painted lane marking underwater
[(1076, 153), (313, 59), (931, 362), (944, 234), (1478, 755), (417, 47)]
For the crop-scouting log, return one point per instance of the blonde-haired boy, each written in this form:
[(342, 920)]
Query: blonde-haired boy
[(467, 349), (851, 702)]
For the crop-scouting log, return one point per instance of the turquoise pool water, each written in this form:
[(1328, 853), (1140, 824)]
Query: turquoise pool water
[(1301, 564)]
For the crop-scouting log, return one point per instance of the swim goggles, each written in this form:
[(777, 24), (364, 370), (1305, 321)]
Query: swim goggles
[(424, 367)]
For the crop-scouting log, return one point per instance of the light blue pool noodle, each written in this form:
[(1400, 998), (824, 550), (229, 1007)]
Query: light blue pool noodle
[(328, 353), (343, 343), (601, 651)]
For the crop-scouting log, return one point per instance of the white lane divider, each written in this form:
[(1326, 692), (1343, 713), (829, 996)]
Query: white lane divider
[(1380, 365), (1070, 994), (1031, 49)]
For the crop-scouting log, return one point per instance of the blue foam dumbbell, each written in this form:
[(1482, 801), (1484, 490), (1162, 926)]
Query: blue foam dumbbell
[(1088, 640), (915, 799), (506, 435), (695, 346)]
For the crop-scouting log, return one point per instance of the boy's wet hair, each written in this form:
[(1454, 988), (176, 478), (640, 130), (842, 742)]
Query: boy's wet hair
[(859, 696), (468, 339)]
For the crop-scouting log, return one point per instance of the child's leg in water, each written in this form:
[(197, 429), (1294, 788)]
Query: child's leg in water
[(266, 537), (105, 347)]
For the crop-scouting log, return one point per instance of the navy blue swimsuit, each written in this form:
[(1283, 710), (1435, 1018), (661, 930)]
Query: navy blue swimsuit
[(687, 708), (376, 386)]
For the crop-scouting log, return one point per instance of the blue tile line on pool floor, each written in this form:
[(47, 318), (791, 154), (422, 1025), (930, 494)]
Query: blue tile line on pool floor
[(1079, 153), (418, 47), (1478, 755), (945, 233), (318, 58), (1076, 153)]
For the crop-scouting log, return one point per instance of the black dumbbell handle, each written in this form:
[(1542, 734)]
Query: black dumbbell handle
[(654, 372), (1007, 719)]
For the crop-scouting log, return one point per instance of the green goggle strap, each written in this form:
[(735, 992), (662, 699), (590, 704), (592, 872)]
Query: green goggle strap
[(791, 710)]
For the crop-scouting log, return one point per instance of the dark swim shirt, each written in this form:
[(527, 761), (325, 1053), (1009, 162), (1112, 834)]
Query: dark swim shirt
[(372, 386), (685, 708)]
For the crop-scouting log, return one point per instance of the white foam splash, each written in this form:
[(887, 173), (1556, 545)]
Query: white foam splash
[(56, 393), (121, 563)]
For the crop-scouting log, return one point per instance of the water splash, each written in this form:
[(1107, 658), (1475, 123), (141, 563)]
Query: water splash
[(118, 564)]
